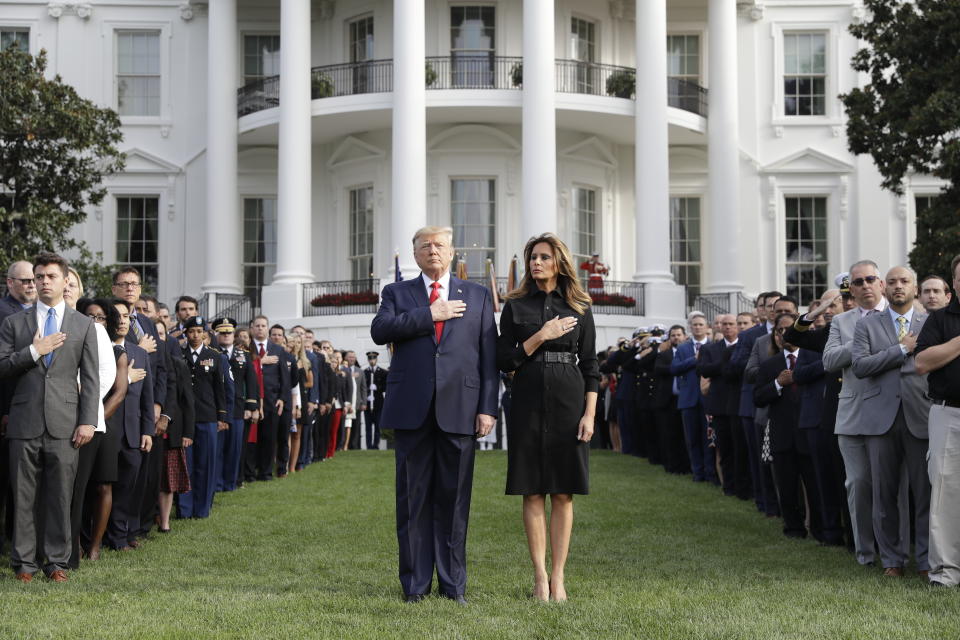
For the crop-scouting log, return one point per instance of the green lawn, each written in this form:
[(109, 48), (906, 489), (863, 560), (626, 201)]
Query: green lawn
[(314, 555)]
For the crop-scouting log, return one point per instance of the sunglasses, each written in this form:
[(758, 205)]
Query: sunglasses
[(860, 281)]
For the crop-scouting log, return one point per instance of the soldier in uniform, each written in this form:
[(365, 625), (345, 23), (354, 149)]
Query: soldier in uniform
[(246, 401), (376, 379), (206, 374)]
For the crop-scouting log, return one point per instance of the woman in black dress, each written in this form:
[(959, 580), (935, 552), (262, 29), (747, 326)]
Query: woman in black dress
[(547, 339)]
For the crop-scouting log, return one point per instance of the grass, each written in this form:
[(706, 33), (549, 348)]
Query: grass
[(314, 556)]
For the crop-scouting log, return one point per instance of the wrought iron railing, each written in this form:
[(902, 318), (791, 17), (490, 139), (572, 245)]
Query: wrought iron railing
[(340, 297), (715, 304), (473, 71), (469, 71), (619, 298), (226, 305)]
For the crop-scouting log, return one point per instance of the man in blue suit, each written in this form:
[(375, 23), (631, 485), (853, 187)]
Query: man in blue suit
[(690, 400), (441, 392)]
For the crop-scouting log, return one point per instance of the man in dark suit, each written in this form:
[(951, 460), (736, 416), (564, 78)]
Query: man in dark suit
[(723, 404), (376, 378), (276, 395), (441, 392), (210, 405), (690, 400), (21, 294), (669, 425), (246, 400), (49, 357), (620, 361), (136, 440), (776, 388), (127, 286)]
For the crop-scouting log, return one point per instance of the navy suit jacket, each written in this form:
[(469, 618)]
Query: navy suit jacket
[(138, 403), (809, 374), (460, 371), (785, 407), (276, 377), (738, 362), (684, 367), (158, 364), (723, 399)]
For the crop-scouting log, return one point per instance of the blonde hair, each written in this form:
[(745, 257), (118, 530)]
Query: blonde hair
[(578, 299), (76, 275), (298, 351), (433, 231)]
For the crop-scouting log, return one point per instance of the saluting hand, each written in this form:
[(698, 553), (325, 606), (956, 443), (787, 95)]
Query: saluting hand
[(442, 310), (52, 342)]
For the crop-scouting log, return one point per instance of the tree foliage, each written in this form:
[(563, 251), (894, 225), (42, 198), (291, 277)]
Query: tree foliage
[(55, 150), (907, 116)]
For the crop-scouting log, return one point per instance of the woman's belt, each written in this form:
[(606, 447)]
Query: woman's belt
[(554, 356)]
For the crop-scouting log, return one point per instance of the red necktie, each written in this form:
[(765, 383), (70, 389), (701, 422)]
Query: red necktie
[(263, 351), (434, 294)]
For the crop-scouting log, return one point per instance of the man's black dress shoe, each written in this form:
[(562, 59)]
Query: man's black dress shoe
[(460, 600), (413, 597)]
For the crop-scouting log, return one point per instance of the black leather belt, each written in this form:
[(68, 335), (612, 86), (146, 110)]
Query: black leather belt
[(554, 356), (947, 403)]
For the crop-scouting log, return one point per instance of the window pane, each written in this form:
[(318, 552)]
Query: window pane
[(806, 247)]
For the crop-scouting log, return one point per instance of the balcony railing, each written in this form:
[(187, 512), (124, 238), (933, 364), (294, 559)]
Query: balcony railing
[(715, 304), (469, 71), (341, 297), (226, 305)]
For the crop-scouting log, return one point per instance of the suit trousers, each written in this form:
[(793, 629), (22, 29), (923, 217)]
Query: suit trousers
[(734, 463), (148, 489), (888, 455), (248, 455), (434, 487), (267, 441), (789, 468), (306, 440), (944, 470), (322, 439), (626, 418), (831, 503), (670, 437), (701, 454), (86, 457), (42, 473), (859, 486), (753, 446), (201, 465), (125, 505), (283, 442), (370, 420)]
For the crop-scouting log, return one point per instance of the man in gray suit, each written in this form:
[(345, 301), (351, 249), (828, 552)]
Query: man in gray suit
[(45, 351), (866, 287), (893, 417)]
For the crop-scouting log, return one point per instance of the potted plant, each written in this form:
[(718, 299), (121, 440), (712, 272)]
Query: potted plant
[(516, 74), (429, 74), (321, 86), (622, 83)]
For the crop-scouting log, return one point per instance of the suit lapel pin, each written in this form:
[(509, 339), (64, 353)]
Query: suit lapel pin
[(459, 291)]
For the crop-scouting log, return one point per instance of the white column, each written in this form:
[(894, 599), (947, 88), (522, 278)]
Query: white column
[(722, 272), (408, 208), (539, 121), (294, 207), (651, 151), (222, 215)]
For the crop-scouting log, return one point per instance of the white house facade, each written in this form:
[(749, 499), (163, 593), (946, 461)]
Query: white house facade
[(286, 150)]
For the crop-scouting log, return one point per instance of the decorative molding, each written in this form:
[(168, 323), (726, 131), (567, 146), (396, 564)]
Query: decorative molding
[(98, 213), (836, 130), (778, 132), (511, 176), (623, 10), (771, 197), (563, 197), (186, 11), (858, 14), (844, 197), (165, 131), (324, 9), (82, 10), (807, 161), (902, 205), (380, 200), (433, 179), (751, 9)]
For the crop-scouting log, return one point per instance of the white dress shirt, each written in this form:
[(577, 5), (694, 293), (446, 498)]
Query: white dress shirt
[(108, 372), (444, 281), (881, 306), (786, 360)]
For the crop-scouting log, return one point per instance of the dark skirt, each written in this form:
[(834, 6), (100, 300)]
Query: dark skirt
[(544, 457), (105, 467), (175, 478)]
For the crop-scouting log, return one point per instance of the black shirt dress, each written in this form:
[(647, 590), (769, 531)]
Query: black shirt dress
[(544, 455)]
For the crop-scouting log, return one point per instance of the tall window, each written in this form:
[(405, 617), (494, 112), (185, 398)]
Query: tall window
[(683, 71), (137, 236), (138, 73), (14, 36), (259, 245), (361, 50), (585, 229), (806, 251), (473, 210), (685, 244), (804, 74), (472, 46), (583, 44), (361, 233), (261, 57)]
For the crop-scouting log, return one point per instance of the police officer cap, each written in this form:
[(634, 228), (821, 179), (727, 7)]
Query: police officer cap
[(842, 282), (195, 321), (224, 325), (641, 331), (372, 354)]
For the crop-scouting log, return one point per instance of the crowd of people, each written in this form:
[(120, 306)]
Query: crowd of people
[(118, 416), (840, 419)]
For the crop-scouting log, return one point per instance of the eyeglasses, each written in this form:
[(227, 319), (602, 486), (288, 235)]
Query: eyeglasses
[(780, 331), (24, 282), (869, 280), (99, 317), (126, 285)]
